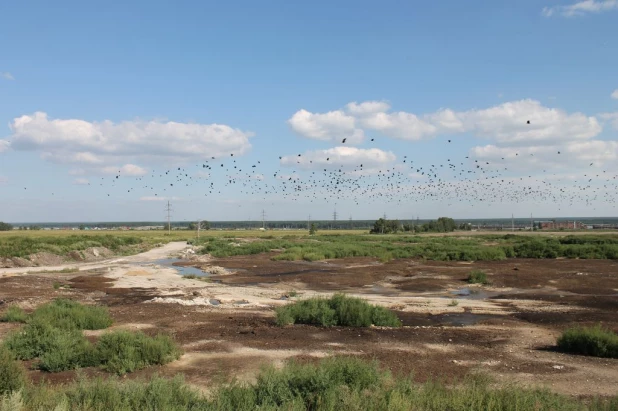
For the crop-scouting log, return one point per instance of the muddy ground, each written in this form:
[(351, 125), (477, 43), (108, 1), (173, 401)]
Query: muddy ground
[(226, 325)]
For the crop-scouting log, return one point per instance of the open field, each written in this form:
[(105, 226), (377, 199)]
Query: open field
[(225, 323)]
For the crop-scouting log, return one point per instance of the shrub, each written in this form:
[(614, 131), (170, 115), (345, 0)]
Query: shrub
[(338, 310), (121, 352), (68, 314), (12, 373), (477, 277), (594, 341), (57, 349), (14, 314)]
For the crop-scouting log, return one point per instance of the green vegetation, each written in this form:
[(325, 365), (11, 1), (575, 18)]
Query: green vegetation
[(339, 383), (339, 310), (14, 314), (453, 303), (12, 373), (121, 352), (313, 230), (443, 248), (23, 246), (383, 226), (53, 335), (5, 226), (478, 277), (204, 225), (594, 341)]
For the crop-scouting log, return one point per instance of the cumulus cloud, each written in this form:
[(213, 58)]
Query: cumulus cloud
[(337, 157), (81, 181), (506, 123), (581, 8), (331, 126), (95, 144), (615, 94), (6, 75), (612, 117), (125, 170), (577, 154)]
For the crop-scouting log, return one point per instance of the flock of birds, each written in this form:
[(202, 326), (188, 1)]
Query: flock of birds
[(450, 181)]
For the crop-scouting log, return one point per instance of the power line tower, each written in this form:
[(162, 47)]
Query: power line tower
[(168, 212), (309, 222), (263, 218), (335, 216)]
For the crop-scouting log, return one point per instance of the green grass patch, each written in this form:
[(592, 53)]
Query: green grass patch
[(594, 341), (339, 310), (478, 277), (25, 245), (12, 373), (14, 314), (121, 352), (338, 383), (68, 314)]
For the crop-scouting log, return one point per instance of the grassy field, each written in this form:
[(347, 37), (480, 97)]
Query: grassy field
[(298, 245)]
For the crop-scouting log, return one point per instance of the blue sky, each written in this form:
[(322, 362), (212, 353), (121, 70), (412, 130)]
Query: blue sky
[(139, 86)]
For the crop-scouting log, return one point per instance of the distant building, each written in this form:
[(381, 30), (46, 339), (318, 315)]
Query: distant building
[(560, 225)]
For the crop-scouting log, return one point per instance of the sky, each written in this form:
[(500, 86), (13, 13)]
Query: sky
[(469, 109)]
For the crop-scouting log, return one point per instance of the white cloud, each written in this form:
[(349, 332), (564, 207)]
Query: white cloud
[(126, 170), (4, 146), (81, 181), (337, 157), (577, 154), (106, 143), (581, 8), (506, 123), (6, 75), (331, 126), (367, 107), (615, 94), (613, 117)]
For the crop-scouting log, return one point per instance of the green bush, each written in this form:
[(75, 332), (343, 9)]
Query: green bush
[(594, 341), (12, 373), (477, 277), (338, 310), (14, 314), (68, 314), (121, 352)]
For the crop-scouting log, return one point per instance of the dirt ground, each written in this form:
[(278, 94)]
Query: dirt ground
[(226, 324)]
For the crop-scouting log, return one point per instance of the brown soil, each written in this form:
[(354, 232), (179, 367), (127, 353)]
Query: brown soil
[(506, 330)]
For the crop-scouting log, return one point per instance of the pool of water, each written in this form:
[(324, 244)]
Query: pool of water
[(462, 319), (473, 293), (169, 262)]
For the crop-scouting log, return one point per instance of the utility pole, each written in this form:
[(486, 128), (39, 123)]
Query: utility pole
[(263, 218), (309, 222), (512, 223), (531, 223), (335, 215), (168, 211), (199, 223)]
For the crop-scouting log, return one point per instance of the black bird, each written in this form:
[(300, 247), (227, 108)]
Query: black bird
[(344, 140)]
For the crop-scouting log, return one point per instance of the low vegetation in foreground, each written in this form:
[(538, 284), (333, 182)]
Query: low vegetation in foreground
[(339, 310), (53, 336), (594, 341), (478, 277), (338, 383)]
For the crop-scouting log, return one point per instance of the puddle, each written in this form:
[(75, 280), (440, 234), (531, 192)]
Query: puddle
[(473, 293), (381, 290), (241, 302), (462, 319), (169, 262), (214, 301)]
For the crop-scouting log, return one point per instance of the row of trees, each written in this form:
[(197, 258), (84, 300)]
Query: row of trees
[(5, 226), (441, 225)]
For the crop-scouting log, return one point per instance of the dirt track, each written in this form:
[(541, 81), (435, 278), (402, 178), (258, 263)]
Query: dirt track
[(227, 329)]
